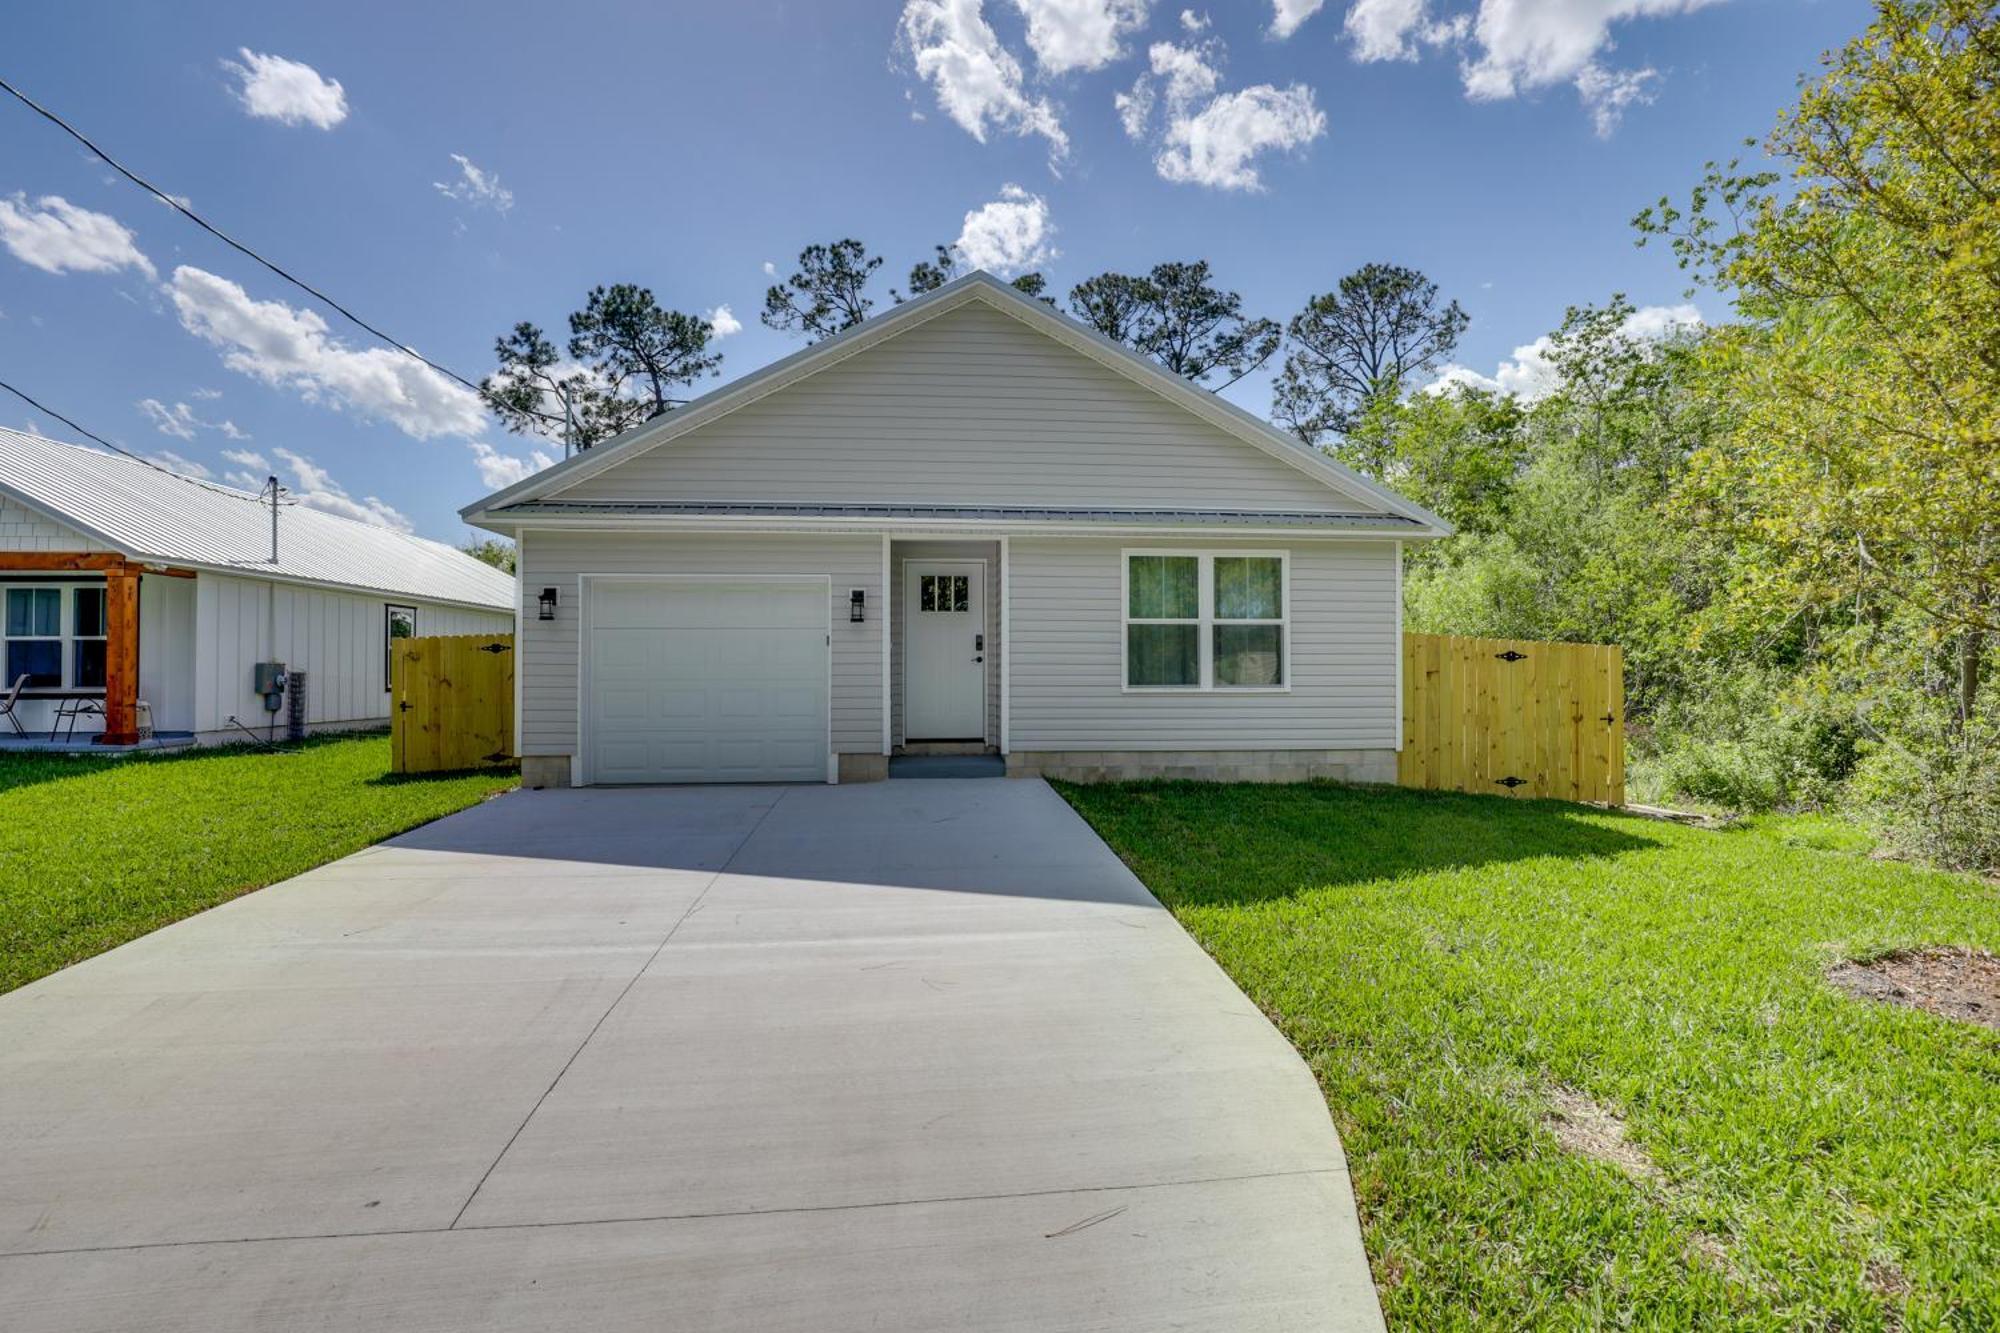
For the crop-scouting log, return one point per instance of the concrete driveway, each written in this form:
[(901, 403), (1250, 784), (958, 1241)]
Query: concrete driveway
[(904, 1056)]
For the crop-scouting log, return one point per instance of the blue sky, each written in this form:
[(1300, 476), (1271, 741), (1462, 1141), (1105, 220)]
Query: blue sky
[(468, 173)]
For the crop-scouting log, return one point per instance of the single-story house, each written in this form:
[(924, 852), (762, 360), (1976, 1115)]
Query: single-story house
[(969, 522), (137, 598)]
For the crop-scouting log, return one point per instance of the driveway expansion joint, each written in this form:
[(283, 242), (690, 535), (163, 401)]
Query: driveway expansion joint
[(617, 1000), (1056, 1191)]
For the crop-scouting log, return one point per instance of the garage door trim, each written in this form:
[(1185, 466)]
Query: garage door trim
[(585, 770)]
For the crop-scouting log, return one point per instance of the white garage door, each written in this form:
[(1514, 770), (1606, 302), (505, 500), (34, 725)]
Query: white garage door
[(703, 681)]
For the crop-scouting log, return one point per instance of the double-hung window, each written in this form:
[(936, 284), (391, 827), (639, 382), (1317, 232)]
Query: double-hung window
[(54, 636), (1201, 620)]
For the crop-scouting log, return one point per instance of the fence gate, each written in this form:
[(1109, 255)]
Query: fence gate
[(451, 702), (1513, 717)]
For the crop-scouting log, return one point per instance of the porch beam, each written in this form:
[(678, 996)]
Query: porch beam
[(82, 562), (62, 562), (121, 657)]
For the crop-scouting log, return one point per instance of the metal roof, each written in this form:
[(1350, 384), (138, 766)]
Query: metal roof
[(152, 515), (958, 513)]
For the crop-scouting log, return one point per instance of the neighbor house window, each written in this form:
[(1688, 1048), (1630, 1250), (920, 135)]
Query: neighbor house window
[(1199, 620), (401, 623), (54, 636), (86, 645)]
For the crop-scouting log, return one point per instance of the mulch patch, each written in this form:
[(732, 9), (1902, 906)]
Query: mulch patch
[(1954, 983)]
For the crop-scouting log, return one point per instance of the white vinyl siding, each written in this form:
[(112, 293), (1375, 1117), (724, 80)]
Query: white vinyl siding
[(1066, 660), (549, 722), (336, 638), (971, 407), (166, 650), (899, 554)]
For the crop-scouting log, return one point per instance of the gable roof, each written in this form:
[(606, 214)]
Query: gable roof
[(153, 516), (541, 491)]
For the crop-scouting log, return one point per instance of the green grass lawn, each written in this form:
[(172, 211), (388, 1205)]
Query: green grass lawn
[(96, 851), (1450, 966)]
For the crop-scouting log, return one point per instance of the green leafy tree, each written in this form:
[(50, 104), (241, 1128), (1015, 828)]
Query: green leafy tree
[(495, 551), (946, 263), (1380, 327), (1458, 452), (1863, 467), (627, 357), (536, 392), (1176, 315), (827, 293)]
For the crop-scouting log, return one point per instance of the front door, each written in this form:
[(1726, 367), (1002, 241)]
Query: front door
[(944, 650)]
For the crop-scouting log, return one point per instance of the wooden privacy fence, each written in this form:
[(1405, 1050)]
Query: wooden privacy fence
[(451, 702), (1513, 717)]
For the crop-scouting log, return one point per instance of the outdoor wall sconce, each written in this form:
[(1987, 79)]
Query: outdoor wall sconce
[(547, 604), (857, 605)]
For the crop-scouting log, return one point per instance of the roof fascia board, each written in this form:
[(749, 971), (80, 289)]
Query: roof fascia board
[(297, 581), (768, 526)]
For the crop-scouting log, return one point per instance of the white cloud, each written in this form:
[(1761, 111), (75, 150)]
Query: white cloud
[(1010, 235), (1193, 22), (770, 269), (187, 467), (977, 80), (249, 458), (1392, 29), (722, 322), (180, 421), (1517, 46), (1606, 94), (1531, 372), (285, 347), (207, 395), (287, 91), (1212, 138), (1217, 146), (56, 236), (1287, 15), (481, 189), (1070, 35), (1529, 44), (498, 470), (314, 487)]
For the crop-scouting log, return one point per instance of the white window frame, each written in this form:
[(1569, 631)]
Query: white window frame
[(1205, 622), (65, 635), (389, 610)]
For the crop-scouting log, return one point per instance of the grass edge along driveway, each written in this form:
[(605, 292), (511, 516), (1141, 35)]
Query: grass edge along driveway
[(95, 851), (1458, 970)]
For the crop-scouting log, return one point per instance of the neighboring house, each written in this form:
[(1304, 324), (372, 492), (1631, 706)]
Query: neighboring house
[(123, 585), (968, 522)]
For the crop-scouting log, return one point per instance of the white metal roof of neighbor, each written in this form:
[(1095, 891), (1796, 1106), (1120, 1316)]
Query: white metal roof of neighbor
[(151, 515)]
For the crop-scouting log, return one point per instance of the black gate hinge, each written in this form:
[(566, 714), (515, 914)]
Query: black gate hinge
[(1511, 656), (1510, 782)]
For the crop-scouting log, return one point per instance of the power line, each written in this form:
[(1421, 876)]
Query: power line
[(223, 236), (123, 452)]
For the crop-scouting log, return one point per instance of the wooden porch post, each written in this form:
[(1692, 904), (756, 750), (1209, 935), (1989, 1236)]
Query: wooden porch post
[(121, 657)]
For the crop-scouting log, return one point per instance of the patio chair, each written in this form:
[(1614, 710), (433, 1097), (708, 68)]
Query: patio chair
[(11, 698)]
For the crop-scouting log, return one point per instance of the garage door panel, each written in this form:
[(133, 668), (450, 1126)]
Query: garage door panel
[(699, 682)]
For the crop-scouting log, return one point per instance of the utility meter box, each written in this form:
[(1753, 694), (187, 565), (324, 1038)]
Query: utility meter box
[(270, 682)]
